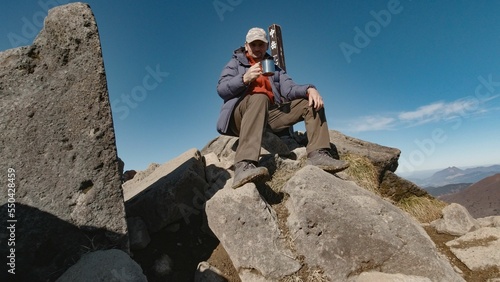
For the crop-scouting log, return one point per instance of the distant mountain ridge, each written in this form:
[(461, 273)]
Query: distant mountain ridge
[(455, 175), (481, 198), (447, 189)]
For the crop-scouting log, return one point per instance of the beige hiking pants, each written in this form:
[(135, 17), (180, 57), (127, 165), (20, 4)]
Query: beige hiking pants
[(253, 114)]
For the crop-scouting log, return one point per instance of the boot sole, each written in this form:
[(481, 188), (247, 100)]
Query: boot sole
[(331, 169), (255, 178)]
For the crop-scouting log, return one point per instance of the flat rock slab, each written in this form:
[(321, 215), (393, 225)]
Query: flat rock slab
[(478, 249), (172, 191)]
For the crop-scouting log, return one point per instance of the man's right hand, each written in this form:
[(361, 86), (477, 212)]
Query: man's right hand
[(252, 73)]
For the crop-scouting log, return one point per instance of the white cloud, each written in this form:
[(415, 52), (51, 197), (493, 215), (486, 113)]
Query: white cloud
[(372, 123), (434, 112), (440, 111), (422, 112)]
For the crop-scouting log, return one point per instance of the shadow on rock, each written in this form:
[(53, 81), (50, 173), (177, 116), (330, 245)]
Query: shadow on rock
[(45, 246)]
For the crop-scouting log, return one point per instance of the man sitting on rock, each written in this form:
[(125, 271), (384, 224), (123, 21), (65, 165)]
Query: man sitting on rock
[(253, 102)]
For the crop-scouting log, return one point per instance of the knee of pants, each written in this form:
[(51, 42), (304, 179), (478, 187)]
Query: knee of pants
[(260, 99)]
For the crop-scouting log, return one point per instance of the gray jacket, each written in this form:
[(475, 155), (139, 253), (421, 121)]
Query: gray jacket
[(232, 89)]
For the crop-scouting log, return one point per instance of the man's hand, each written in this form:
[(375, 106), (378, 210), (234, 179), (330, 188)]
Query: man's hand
[(315, 99), (252, 73)]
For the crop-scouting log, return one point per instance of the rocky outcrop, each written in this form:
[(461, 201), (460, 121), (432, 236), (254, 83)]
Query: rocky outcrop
[(475, 251), (383, 158), (336, 226), (57, 134), (308, 224), (477, 240)]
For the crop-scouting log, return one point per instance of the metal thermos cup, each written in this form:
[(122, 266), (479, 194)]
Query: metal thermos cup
[(267, 67)]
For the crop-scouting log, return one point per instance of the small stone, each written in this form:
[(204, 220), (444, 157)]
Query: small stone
[(163, 266)]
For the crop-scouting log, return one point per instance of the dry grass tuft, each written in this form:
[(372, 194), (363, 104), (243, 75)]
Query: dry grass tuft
[(307, 275), (363, 172), (423, 209), (316, 275), (280, 178)]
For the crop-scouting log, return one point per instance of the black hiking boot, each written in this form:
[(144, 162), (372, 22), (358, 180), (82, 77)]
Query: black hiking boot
[(322, 159), (247, 171)]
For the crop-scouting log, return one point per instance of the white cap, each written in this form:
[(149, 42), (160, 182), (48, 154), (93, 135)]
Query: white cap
[(256, 33)]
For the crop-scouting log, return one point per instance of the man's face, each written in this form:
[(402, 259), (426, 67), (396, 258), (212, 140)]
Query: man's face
[(256, 49)]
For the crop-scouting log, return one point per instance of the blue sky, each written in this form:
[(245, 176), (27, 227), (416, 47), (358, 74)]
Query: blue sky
[(420, 76)]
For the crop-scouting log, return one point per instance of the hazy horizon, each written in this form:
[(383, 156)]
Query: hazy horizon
[(429, 172)]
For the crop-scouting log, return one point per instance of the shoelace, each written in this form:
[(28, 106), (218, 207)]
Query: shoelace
[(249, 165), (325, 153)]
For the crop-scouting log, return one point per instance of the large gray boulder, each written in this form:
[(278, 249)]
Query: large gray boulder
[(345, 230), (248, 229), (57, 134), (456, 221)]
